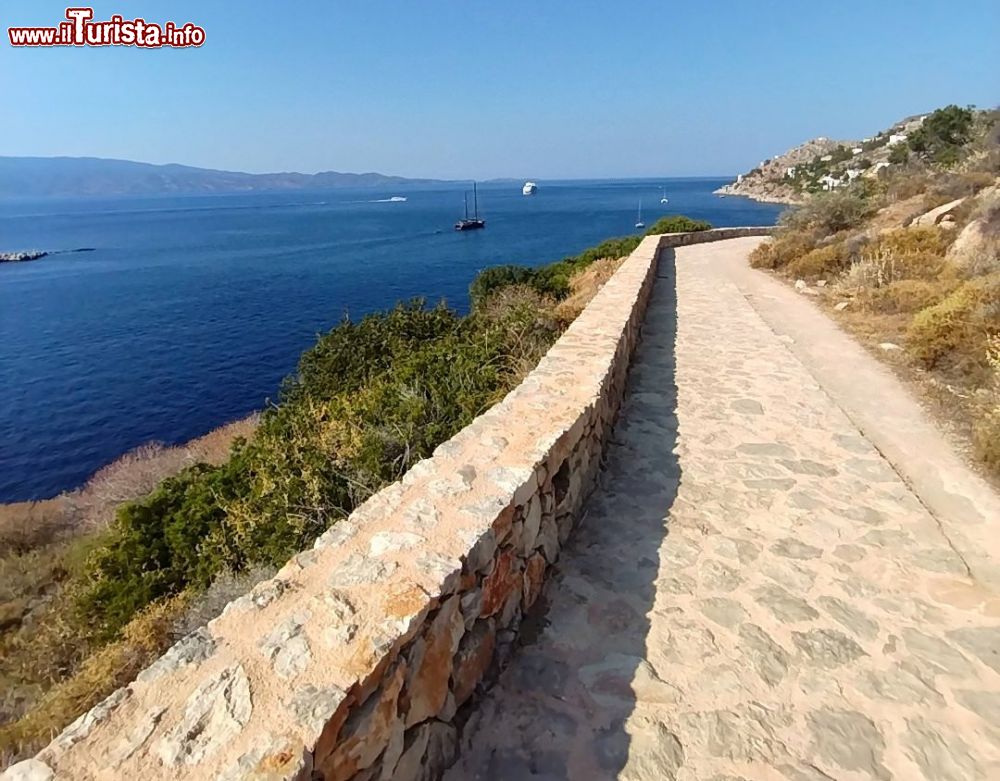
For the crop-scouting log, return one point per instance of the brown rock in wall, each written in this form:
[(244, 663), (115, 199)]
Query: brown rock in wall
[(430, 664)]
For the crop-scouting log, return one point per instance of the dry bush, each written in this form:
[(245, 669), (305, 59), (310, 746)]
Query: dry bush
[(527, 316), (907, 253), (786, 246), (955, 333), (876, 269), (113, 666), (215, 446), (821, 263), (132, 475), (952, 186), (906, 184), (986, 428), (584, 286), (906, 296), (915, 240), (25, 526)]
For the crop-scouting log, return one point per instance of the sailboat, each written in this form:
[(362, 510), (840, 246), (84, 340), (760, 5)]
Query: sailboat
[(639, 223), (471, 223), (664, 198)]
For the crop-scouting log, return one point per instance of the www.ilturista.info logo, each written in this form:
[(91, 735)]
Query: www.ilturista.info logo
[(80, 30)]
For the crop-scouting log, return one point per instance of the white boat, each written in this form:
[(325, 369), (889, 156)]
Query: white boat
[(664, 198), (639, 223), (397, 199), (530, 188)]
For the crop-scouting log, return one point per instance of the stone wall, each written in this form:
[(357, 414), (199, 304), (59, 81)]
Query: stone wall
[(361, 658)]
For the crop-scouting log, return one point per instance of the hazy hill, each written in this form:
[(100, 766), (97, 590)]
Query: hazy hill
[(74, 176)]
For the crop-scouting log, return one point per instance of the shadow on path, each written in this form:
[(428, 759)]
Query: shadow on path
[(559, 710)]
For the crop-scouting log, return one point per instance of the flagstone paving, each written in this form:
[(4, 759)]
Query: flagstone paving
[(753, 592)]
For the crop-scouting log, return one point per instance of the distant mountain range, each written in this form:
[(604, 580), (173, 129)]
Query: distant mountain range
[(93, 176)]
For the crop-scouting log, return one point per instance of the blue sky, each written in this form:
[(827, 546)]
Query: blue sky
[(546, 89)]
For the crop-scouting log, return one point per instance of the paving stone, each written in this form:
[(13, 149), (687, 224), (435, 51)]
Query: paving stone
[(936, 653), (725, 612), (827, 647), (940, 757), (851, 618), (849, 740), (785, 607), (794, 549), (768, 658), (901, 683), (982, 642)]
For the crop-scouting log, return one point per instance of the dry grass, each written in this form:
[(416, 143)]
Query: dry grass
[(584, 286), (109, 668)]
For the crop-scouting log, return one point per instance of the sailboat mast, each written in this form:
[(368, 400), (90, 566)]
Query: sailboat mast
[(465, 197), (475, 199)]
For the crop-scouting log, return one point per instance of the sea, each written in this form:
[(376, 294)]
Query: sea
[(185, 312)]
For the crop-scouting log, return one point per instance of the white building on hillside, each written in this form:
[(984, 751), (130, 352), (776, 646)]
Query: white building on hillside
[(897, 138)]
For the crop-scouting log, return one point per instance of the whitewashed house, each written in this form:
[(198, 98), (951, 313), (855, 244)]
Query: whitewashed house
[(897, 138)]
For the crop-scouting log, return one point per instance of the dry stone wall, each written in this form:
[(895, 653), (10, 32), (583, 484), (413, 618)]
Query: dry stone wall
[(361, 658)]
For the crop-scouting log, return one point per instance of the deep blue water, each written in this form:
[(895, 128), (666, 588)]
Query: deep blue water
[(190, 310)]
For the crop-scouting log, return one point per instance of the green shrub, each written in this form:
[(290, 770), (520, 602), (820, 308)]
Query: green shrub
[(899, 155), (491, 279), (553, 280), (943, 135), (677, 223), (832, 212)]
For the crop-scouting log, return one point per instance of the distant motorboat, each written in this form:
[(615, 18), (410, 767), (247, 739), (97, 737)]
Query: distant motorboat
[(471, 223), (397, 199), (664, 198), (530, 188), (639, 223)]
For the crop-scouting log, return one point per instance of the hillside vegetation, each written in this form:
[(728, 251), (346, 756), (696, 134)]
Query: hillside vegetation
[(822, 164), (84, 609), (910, 261)]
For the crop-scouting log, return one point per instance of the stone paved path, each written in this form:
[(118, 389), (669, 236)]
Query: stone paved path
[(753, 593)]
